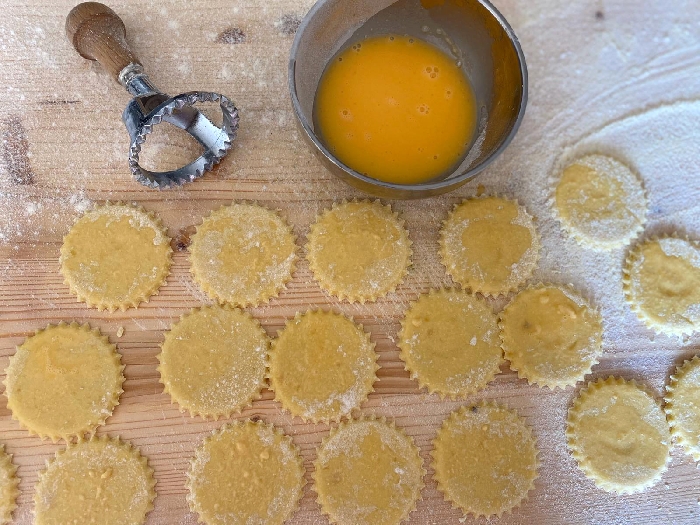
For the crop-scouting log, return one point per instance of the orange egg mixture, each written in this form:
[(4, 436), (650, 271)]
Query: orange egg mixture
[(396, 109)]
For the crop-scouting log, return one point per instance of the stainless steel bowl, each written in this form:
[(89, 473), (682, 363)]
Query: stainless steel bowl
[(473, 31)]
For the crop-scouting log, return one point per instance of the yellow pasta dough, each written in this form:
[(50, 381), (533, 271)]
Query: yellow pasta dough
[(115, 257), (619, 436), (449, 342), (8, 486), (485, 459), (367, 473), (662, 284), (64, 381), (359, 251), (551, 336), (245, 473), (489, 245), (600, 201), (105, 481), (243, 254), (322, 366), (683, 406), (213, 361)]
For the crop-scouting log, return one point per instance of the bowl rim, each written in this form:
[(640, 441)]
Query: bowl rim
[(444, 184)]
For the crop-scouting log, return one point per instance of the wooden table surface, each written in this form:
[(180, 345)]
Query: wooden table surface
[(64, 147)]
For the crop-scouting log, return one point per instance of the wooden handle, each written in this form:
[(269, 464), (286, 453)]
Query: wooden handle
[(97, 33)]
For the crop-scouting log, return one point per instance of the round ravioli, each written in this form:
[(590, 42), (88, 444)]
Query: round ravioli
[(551, 336), (245, 473), (683, 406), (115, 257), (449, 342), (619, 436), (368, 472), (64, 381), (485, 459), (600, 201), (359, 251), (322, 366), (243, 254), (489, 245), (662, 284), (105, 481), (213, 361), (9, 484)]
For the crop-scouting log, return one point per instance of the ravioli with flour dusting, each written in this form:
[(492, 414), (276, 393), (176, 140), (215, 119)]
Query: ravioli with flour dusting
[(485, 459), (600, 201), (322, 366), (489, 245), (662, 284), (367, 472), (243, 254), (359, 250), (245, 473), (115, 257), (619, 436)]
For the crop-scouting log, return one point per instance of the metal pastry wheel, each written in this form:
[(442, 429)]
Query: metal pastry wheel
[(97, 33)]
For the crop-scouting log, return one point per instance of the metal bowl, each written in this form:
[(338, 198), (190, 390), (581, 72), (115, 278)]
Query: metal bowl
[(473, 31)]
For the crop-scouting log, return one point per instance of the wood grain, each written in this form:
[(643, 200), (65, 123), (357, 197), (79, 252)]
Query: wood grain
[(77, 149)]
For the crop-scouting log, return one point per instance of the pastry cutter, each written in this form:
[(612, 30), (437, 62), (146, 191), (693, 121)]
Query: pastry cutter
[(97, 33)]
